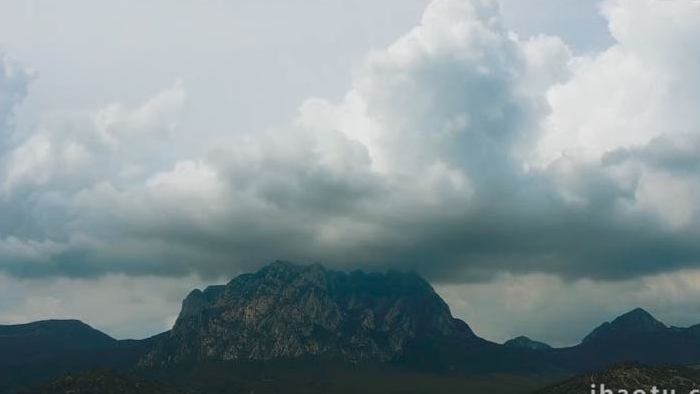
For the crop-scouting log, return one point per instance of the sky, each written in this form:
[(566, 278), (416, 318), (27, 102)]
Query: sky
[(536, 161)]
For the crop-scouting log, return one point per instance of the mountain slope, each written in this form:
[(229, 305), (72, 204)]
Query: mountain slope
[(331, 377), (629, 377), (102, 382)]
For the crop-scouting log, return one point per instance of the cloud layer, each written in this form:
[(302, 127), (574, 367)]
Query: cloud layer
[(461, 151)]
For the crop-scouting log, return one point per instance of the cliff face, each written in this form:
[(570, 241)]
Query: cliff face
[(293, 311)]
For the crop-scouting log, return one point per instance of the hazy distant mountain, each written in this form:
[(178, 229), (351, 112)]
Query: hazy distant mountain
[(524, 342), (629, 377)]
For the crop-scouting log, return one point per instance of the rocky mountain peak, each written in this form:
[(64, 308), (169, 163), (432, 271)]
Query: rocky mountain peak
[(288, 310)]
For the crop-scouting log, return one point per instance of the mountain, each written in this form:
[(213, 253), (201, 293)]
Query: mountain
[(46, 349), (523, 342), (289, 311), (285, 328), (304, 328), (629, 377), (634, 324), (633, 336), (42, 340)]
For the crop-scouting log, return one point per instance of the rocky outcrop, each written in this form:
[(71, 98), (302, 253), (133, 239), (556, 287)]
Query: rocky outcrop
[(289, 311)]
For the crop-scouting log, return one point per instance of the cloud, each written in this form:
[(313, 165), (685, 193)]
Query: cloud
[(461, 151), (73, 150), (14, 82)]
